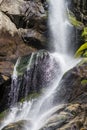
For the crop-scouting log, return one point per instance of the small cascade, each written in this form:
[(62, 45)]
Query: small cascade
[(42, 70), (13, 95), (31, 73)]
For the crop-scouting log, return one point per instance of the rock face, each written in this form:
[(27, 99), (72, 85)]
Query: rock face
[(79, 8), (73, 84), (23, 29), (78, 18), (71, 114), (69, 117), (18, 125), (66, 117), (28, 16), (33, 73)]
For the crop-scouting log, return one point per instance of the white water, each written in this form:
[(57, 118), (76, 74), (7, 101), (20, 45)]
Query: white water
[(58, 23), (35, 111)]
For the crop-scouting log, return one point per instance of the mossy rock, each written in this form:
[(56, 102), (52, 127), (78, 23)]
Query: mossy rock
[(31, 96), (2, 115), (22, 66), (84, 82), (20, 125), (82, 51)]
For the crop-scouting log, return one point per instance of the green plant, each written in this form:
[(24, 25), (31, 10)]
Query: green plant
[(82, 51), (74, 21)]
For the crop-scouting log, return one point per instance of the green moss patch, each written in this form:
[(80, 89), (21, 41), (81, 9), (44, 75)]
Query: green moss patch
[(3, 114), (22, 65), (84, 34), (82, 51), (33, 95), (84, 82)]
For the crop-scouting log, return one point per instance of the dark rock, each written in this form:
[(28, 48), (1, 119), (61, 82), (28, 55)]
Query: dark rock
[(72, 85), (35, 72), (70, 117), (20, 125), (4, 90), (79, 8)]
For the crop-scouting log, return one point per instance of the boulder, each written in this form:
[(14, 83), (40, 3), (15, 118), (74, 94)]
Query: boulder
[(20, 125), (73, 84), (68, 117), (32, 73), (23, 29)]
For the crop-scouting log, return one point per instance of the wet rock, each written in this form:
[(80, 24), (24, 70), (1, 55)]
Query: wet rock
[(73, 93), (20, 125), (73, 84), (35, 72), (4, 91), (71, 117)]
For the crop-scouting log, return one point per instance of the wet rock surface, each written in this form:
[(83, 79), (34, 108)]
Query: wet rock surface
[(20, 125), (34, 73), (73, 84), (65, 117), (27, 32), (72, 97), (71, 117)]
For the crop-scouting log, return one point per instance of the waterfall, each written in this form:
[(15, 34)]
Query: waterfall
[(37, 111), (13, 95), (58, 25)]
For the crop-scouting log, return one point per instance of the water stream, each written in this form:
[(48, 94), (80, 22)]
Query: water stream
[(35, 111)]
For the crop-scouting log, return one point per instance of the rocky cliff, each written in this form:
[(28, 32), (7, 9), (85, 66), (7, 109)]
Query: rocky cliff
[(24, 29)]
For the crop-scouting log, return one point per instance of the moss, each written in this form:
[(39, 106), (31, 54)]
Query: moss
[(3, 114), (22, 65), (33, 95), (84, 82), (82, 51), (74, 21), (84, 34)]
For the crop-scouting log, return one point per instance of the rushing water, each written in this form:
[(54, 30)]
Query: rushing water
[(38, 111), (14, 88)]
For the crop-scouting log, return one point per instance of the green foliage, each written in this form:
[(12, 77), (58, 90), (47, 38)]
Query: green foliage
[(74, 21), (84, 34), (82, 51), (84, 82), (3, 114)]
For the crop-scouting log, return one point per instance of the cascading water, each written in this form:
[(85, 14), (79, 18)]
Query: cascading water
[(58, 25), (37, 111), (13, 95)]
